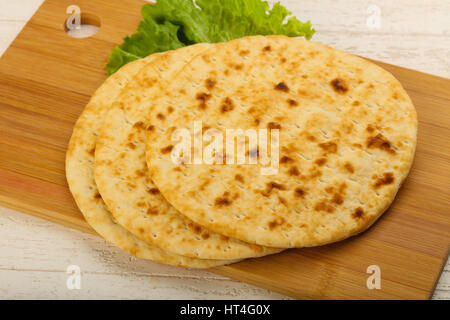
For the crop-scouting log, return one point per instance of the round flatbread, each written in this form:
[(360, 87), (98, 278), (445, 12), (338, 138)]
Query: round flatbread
[(346, 141), (122, 176), (80, 176)]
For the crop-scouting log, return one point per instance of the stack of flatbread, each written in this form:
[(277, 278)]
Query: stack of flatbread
[(345, 141)]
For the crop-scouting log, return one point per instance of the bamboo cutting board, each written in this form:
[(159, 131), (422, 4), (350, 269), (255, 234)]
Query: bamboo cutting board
[(47, 77)]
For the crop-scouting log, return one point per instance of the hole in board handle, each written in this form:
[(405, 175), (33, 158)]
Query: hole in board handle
[(89, 25)]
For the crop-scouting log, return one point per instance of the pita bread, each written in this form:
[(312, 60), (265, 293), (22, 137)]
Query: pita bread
[(347, 137), (80, 176), (123, 181)]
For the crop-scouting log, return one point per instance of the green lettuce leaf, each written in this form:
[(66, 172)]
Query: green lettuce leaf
[(171, 24)]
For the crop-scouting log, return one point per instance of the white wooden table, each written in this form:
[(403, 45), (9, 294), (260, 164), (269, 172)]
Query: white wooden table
[(34, 254)]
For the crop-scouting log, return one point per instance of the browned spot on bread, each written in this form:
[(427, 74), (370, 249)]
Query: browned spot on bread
[(338, 195), (131, 145), (205, 184), (339, 86), (139, 125), (279, 221), (92, 152), (244, 52), (370, 128), (342, 187), (329, 147), (347, 127), (267, 48), (282, 201), (210, 83), (314, 173), (320, 162), (239, 178), (160, 116), (227, 105), (304, 76), (227, 72), (283, 60), (152, 211), (358, 213), (286, 159), (388, 178), (131, 185), (191, 193), (338, 199), (356, 103), (293, 171), (270, 186), (380, 142), (97, 196), (203, 98), (170, 109), (121, 105), (279, 118), (139, 173), (195, 227), (151, 128), (273, 125), (324, 206), (153, 191), (206, 58), (274, 185), (141, 230), (167, 149), (238, 66), (149, 82), (292, 102), (141, 204), (299, 192), (222, 201), (349, 167), (205, 235), (311, 138), (171, 130), (282, 87)]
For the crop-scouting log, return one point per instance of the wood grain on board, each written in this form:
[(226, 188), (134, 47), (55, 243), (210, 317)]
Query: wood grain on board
[(46, 79)]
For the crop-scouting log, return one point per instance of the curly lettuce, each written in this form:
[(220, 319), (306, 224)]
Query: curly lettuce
[(171, 24)]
